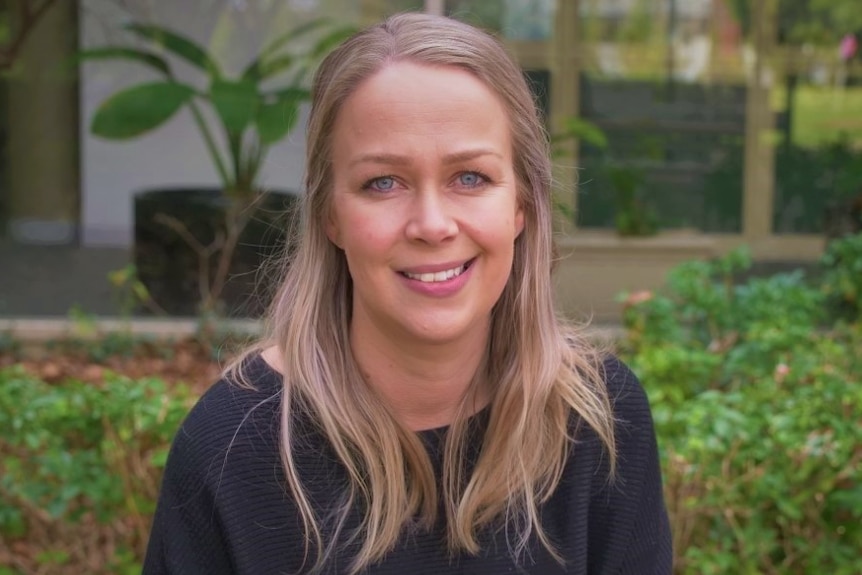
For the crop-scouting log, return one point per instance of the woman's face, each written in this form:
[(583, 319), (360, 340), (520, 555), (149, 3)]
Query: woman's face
[(424, 203)]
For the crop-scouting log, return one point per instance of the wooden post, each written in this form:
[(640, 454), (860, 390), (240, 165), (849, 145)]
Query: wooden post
[(759, 178), (437, 7), (42, 115), (371, 11), (565, 103)]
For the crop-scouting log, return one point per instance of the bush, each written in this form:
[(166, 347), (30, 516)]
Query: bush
[(756, 400), (842, 277), (80, 470)]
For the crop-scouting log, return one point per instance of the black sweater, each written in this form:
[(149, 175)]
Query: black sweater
[(224, 506)]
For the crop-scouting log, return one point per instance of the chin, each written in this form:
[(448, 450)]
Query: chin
[(445, 331)]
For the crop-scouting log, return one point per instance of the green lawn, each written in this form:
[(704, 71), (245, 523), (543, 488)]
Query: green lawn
[(822, 114)]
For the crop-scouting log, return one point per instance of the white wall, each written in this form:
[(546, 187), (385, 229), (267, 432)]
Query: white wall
[(174, 155)]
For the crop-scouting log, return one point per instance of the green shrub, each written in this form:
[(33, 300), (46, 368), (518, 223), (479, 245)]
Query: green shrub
[(81, 466), (756, 401), (842, 278)]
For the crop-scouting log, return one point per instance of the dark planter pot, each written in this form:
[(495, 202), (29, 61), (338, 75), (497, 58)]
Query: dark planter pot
[(169, 267)]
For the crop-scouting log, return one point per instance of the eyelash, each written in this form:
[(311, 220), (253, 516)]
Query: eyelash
[(482, 176), (369, 184)]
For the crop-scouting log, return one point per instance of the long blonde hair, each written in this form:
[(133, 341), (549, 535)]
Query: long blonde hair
[(543, 375)]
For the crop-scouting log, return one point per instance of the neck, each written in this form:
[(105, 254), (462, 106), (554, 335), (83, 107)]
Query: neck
[(423, 384)]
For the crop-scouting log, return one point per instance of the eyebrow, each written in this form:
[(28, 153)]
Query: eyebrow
[(400, 160)]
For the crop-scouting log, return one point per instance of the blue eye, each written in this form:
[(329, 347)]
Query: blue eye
[(384, 183), (380, 184), (471, 179)]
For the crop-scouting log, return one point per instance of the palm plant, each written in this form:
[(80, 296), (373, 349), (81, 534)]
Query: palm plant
[(252, 111), (250, 117)]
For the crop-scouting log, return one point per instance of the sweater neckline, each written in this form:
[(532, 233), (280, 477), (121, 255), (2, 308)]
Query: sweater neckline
[(426, 434)]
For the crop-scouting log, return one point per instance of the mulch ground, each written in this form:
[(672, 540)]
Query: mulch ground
[(193, 362)]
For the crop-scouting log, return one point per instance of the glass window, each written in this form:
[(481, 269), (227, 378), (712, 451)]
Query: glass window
[(664, 83), (530, 20), (818, 100)]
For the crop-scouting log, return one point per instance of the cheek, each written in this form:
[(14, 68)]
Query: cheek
[(364, 237)]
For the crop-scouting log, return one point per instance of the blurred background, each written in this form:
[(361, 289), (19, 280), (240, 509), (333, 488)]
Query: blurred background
[(683, 128)]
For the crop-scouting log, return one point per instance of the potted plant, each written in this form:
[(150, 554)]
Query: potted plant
[(198, 250), (633, 214)]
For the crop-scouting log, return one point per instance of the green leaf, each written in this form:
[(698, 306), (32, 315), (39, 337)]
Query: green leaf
[(236, 103), (269, 64), (277, 117), (331, 40), (291, 35), (275, 121), (289, 94), (585, 131), (114, 52), (137, 110), (179, 45), (270, 68), (159, 458)]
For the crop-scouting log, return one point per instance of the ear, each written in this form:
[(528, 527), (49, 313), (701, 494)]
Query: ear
[(519, 221), (330, 226)]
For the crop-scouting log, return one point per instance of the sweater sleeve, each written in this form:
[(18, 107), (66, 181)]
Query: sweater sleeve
[(187, 536), (634, 521)]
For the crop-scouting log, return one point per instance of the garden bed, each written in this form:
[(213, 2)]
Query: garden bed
[(92, 419), (189, 360), (754, 384)]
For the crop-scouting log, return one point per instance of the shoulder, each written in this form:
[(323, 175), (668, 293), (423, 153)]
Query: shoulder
[(631, 418), (228, 441), (228, 413), (625, 392), (633, 423), (629, 514)]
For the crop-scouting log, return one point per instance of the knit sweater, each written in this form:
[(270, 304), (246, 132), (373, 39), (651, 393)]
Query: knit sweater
[(224, 506)]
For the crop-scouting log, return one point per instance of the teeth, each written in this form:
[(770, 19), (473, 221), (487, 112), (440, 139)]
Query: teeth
[(437, 276)]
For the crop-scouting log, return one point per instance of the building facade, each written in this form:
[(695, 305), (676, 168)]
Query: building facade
[(676, 113)]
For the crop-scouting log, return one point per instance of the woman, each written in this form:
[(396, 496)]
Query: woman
[(416, 405)]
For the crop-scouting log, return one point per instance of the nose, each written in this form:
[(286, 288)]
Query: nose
[(432, 219)]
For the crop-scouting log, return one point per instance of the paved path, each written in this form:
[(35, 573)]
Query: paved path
[(48, 281)]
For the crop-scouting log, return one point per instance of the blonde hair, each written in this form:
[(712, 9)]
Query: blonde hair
[(543, 375)]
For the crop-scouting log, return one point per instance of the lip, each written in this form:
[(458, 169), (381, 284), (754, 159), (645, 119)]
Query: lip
[(442, 289), (434, 268)]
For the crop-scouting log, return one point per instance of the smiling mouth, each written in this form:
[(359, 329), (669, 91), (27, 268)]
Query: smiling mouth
[(439, 276)]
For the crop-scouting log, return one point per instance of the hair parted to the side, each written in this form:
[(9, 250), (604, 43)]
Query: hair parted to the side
[(543, 374)]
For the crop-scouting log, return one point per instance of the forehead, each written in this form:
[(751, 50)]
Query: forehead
[(411, 87), (414, 93)]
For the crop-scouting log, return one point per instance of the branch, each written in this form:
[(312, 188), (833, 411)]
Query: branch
[(203, 252), (28, 18), (236, 220), (182, 231)]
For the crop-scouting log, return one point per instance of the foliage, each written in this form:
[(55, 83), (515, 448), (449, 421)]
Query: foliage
[(821, 115), (251, 113), (755, 390), (8, 343), (130, 293), (81, 465), (808, 181), (639, 24), (807, 21), (842, 278), (634, 214), (754, 394)]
